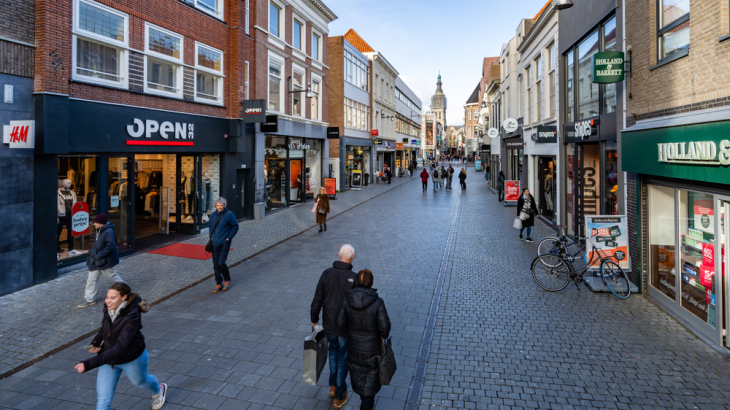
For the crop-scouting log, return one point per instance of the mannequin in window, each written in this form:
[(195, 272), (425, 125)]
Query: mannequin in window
[(548, 190), (66, 201)]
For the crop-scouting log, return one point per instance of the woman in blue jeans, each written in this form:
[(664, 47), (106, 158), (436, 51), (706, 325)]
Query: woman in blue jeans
[(526, 211), (119, 347)]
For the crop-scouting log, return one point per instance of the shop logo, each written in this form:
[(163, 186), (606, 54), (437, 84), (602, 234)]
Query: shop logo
[(298, 145), (166, 130), (254, 111), (695, 153), (583, 129), (19, 134)]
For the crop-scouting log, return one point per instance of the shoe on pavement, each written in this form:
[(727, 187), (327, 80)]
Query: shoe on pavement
[(85, 304), (520, 236), (226, 284), (528, 239), (339, 403), (217, 289), (159, 399), (333, 389)]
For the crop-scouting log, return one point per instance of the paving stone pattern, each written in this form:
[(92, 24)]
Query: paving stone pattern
[(39, 319), (500, 341)]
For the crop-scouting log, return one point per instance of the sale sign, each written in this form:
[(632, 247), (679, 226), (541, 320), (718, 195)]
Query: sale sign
[(706, 274), (330, 186), (609, 234), (704, 215), (80, 219), (511, 190)]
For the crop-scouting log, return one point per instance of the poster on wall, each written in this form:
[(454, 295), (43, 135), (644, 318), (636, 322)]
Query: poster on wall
[(511, 190), (429, 133), (356, 179), (330, 187), (610, 235), (705, 215), (477, 165)]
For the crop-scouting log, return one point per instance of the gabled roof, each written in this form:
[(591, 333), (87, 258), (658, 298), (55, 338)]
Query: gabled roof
[(361, 45), (474, 99), (542, 9)]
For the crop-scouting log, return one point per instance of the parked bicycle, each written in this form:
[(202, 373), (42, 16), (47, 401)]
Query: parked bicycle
[(554, 269)]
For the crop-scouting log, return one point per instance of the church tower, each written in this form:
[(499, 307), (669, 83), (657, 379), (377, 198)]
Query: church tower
[(438, 104)]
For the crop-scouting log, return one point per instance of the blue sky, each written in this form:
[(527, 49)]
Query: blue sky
[(422, 37)]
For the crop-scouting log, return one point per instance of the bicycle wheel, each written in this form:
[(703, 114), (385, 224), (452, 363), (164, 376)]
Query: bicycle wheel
[(548, 245), (615, 279), (551, 272)]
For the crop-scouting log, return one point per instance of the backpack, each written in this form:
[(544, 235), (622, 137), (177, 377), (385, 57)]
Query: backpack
[(443, 173), (436, 173)]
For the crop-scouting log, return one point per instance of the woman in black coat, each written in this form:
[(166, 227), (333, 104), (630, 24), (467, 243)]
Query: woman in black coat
[(462, 178), (364, 316), (119, 347), (526, 211)]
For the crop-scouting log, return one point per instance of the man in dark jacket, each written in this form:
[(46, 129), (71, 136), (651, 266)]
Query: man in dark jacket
[(222, 236), (101, 259), (363, 313), (332, 287)]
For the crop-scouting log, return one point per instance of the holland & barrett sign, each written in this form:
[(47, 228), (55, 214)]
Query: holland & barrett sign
[(608, 67)]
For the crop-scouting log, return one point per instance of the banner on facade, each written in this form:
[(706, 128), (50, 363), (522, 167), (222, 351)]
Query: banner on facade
[(610, 235), (330, 187), (271, 124), (511, 190)]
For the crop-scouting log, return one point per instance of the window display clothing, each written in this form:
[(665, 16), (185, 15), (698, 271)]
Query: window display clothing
[(66, 201), (155, 179), (206, 180), (143, 179)]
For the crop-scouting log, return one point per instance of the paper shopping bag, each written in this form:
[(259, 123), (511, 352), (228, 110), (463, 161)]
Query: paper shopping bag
[(315, 356), (517, 224)]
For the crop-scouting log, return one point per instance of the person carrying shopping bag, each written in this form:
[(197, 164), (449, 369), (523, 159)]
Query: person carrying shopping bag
[(526, 212), (323, 208)]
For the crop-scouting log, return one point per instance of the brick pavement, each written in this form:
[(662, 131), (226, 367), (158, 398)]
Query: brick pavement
[(37, 320), (499, 342)]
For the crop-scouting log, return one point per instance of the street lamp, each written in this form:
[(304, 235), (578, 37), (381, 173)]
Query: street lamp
[(563, 4), (308, 90)]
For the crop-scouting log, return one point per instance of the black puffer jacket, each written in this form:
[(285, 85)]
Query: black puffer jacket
[(332, 288), (364, 316), (123, 340)]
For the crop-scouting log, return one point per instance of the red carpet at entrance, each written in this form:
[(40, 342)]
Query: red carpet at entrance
[(184, 250)]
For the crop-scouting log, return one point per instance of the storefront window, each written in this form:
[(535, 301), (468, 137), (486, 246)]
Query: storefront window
[(78, 182), (211, 183), (662, 240), (697, 264), (570, 187), (610, 181), (296, 171), (587, 89), (314, 167), (119, 201), (570, 94), (591, 166), (546, 188), (275, 172), (609, 90)]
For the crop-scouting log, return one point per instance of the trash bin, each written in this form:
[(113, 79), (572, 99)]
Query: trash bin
[(259, 210)]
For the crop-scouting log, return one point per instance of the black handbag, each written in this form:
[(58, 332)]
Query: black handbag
[(209, 245), (322, 211), (386, 363)]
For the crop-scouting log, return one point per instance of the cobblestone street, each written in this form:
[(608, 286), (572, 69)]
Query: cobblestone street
[(470, 327)]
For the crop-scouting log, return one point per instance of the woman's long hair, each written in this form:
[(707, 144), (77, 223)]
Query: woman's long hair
[(125, 290)]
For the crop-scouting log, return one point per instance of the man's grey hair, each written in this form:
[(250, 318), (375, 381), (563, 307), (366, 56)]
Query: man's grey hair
[(347, 251), (221, 201)]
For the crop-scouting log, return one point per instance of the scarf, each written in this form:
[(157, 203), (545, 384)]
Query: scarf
[(114, 313)]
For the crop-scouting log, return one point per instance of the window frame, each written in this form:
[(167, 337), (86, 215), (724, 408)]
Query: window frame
[(207, 70), (302, 33), (303, 72), (312, 79), (282, 99), (319, 36), (661, 31), (248, 15), (218, 12), (122, 47), (178, 62), (247, 78), (281, 28)]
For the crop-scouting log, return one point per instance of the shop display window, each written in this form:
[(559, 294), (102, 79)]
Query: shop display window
[(610, 181), (275, 157), (210, 187), (662, 240), (697, 258), (313, 171), (118, 190), (78, 183), (570, 187)]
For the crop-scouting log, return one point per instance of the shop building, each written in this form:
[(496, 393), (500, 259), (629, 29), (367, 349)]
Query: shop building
[(407, 125), (349, 110), (132, 117), (538, 84), (589, 164), (675, 154), (512, 147), (383, 76), (291, 69), (493, 100), (472, 112)]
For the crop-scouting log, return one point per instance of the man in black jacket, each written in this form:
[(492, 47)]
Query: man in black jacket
[(333, 285), (103, 256)]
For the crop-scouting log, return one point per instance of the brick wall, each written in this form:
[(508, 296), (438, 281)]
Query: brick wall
[(336, 91), (53, 60), (17, 23)]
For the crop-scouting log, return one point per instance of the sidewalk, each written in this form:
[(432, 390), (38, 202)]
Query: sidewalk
[(40, 320)]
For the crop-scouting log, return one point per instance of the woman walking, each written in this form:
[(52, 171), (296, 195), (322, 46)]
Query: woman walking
[(462, 178), (364, 316), (323, 208), (119, 347), (500, 186), (526, 211)]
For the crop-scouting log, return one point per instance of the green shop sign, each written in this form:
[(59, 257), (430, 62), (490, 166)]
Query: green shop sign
[(608, 67), (698, 152)]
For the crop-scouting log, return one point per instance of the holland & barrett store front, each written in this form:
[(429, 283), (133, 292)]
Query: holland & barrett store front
[(682, 197)]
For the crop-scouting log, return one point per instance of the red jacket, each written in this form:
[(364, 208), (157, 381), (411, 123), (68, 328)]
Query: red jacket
[(424, 175)]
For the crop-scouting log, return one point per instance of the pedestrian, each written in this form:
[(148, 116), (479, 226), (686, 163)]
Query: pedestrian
[(436, 178), (444, 177), (331, 290), (424, 179), (119, 347), (388, 174), (364, 316), (526, 211), (500, 186), (462, 178), (450, 172), (222, 236), (101, 259), (486, 174), (323, 208)]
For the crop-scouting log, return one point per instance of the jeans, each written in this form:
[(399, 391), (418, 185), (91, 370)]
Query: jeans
[(435, 184), (92, 281), (500, 194), (367, 402), (207, 198), (136, 371), (448, 182), (425, 186), (528, 228), (220, 254), (338, 364)]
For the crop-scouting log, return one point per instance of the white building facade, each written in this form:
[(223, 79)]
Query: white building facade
[(407, 126), (383, 109)]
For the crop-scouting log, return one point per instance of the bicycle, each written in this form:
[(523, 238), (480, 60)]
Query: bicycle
[(553, 244), (554, 271)]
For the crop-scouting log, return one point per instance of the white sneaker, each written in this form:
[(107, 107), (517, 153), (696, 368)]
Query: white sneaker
[(159, 399), (74, 252)]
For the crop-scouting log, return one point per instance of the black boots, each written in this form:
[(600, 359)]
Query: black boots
[(320, 227), (325, 227)]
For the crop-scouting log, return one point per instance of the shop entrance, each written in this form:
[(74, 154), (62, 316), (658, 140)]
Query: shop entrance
[(546, 187)]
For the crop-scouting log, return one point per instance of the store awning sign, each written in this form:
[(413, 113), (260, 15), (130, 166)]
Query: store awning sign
[(271, 124), (19, 134), (493, 133), (547, 134), (333, 132), (510, 125), (254, 111), (166, 130), (608, 67), (399, 146), (581, 130)]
